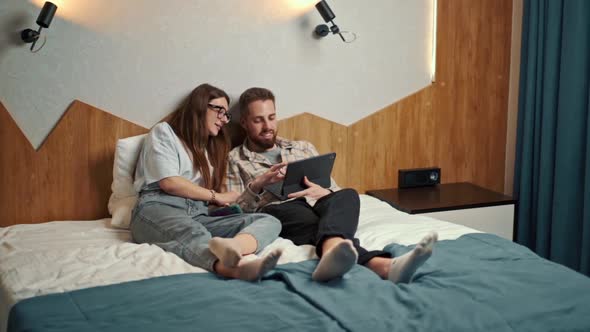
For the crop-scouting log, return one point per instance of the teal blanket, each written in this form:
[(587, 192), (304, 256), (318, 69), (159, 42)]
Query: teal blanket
[(478, 282)]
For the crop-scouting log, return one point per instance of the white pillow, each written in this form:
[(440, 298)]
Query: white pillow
[(124, 196)]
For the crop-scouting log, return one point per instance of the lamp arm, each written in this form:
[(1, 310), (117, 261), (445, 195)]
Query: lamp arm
[(35, 41)]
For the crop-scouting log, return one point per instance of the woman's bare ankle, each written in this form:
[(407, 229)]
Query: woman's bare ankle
[(379, 265)]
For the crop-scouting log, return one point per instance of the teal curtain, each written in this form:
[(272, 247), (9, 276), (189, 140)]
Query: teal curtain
[(552, 169)]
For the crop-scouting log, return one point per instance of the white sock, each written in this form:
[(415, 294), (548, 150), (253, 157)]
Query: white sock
[(336, 262), (227, 250), (254, 270), (403, 267)]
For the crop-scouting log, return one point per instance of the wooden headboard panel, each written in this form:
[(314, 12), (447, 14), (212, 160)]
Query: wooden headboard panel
[(69, 177)]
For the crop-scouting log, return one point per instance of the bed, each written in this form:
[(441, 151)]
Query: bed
[(87, 275)]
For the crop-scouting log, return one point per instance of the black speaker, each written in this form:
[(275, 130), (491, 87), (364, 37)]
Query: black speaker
[(418, 177)]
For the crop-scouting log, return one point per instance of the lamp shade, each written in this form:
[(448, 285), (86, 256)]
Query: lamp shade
[(325, 11), (46, 14)]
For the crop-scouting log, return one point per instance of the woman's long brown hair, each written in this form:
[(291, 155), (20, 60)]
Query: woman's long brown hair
[(189, 124)]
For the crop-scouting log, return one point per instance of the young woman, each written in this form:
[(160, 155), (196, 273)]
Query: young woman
[(179, 173)]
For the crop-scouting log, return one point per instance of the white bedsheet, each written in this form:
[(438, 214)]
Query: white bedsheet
[(68, 255)]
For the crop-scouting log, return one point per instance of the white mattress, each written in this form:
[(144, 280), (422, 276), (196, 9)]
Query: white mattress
[(68, 255)]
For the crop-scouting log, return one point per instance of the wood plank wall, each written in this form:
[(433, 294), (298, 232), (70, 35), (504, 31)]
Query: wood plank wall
[(69, 177), (326, 136), (458, 123), (470, 97)]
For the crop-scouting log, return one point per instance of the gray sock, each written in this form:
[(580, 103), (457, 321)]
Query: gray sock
[(227, 250), (336, 262), (254, 270), (403, 267)]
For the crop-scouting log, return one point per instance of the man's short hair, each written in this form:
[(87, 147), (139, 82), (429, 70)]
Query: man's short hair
[(251, 95)]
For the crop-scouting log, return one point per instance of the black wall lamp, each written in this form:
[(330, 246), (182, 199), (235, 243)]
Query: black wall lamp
[(44, 20), (328, 15)]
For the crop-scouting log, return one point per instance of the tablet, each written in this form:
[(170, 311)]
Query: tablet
[(318, 170)]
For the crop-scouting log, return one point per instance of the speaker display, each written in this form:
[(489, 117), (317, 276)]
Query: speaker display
[(418, 177)]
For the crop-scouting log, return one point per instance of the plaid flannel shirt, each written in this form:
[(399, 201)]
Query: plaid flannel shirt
[(245, 165)]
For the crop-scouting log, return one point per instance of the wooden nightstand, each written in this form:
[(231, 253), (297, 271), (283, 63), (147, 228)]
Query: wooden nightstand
[(460, 203)]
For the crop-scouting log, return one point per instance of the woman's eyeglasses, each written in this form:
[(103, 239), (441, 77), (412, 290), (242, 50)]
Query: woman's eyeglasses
[(221, 112)]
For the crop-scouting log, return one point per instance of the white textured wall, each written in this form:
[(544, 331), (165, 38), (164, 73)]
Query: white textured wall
[(138, 58)]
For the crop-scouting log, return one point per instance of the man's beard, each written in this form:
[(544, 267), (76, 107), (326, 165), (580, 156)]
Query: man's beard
[(264, 144)]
